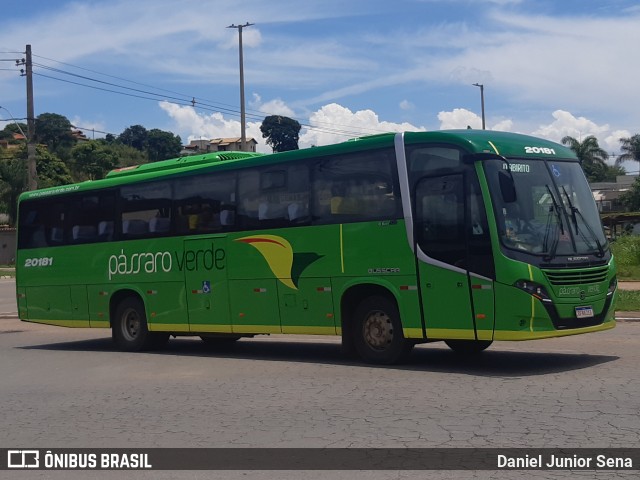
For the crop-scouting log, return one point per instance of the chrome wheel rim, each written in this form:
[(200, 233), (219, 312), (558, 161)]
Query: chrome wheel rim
[(131, 324), (378, 330)]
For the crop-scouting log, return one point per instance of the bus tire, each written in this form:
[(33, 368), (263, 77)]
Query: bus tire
[(129, 328), (377, 331), (468, 347)]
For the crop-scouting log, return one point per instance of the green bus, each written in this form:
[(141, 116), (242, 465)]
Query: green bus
[(388, 241)]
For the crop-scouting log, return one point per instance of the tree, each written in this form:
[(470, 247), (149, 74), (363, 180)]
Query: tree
[(52, 171), (612, 172), (593, 159), (631, 198), (631, 148), (10, 129), (93, 160), (13, 173), (162, 145), (54, 131), (135, 136), (282, 133), (126, 155)]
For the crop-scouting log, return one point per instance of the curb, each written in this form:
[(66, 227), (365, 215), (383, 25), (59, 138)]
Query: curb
[(627, 316)]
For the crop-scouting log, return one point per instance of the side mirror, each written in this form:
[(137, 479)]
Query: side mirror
[(507, 187)]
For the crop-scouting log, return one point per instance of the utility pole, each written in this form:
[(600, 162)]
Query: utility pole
[(31, 125), (243, 128), (481, 100)]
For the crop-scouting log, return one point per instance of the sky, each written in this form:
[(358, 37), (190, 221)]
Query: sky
[(343, 69)]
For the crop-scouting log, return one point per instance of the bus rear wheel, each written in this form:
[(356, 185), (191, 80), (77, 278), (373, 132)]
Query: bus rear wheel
[(129, 328), (377, 331), (468, 347)]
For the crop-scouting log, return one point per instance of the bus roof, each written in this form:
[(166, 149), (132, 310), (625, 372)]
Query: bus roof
[(473, 141), (506, 144)]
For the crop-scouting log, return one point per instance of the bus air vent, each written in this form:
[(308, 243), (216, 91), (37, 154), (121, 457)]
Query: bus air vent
[(577, 277)]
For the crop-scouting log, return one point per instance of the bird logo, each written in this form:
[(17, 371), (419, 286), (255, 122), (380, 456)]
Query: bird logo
[(286, 265)]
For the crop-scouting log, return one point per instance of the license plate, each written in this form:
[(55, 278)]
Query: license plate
[(584, 312)]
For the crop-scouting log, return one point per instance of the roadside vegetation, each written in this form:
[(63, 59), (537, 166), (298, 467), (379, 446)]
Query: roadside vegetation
[(628, 301), (626, 251), (7, 271)]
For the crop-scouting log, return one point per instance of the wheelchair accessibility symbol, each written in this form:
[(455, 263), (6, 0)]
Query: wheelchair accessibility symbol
[(206, 286)]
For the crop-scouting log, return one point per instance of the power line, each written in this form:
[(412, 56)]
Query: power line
[(349, 130), (201, 106)]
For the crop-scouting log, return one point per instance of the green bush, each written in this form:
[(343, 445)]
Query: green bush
[(626, 250)]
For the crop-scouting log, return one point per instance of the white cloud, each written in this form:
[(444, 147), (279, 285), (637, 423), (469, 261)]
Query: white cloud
[(581, 62), (192, 125), (611, 143), (334, 123), (331, 124), (567, 124), (273, 107), (459, 118), (503, 126), (406, 105), (463, 118)]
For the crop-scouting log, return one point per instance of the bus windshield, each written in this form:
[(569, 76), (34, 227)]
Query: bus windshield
[(554, 213)]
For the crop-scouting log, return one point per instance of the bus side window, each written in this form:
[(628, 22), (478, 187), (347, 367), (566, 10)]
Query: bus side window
[(146, 210), (205, 203), (274, 197), (89, 216), (355, 187), (41, 224)]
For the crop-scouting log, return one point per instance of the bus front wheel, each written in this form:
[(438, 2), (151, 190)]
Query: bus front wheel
[(468, 347), (129, 328), (377, 331)]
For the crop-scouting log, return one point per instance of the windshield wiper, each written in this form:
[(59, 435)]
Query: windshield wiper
[(556, 240), (574, 214)]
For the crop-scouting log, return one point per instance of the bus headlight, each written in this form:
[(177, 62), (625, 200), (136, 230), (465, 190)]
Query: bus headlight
[(613, 284), (535, 289)]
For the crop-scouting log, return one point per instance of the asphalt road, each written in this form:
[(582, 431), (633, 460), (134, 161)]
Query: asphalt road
[(8, 307), (68, 388)]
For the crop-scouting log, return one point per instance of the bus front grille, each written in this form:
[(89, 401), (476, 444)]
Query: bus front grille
[(576, 277)]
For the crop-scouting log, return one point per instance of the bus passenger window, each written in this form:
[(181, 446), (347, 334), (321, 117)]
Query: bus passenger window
[(355, 187), (200, 203), (143, 203)]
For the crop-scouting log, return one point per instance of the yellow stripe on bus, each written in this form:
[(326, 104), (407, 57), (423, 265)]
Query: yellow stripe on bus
[(451, 333), (63, 323), (527, 335)]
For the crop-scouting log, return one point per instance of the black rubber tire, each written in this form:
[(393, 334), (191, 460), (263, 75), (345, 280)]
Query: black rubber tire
[(129, 328), (377, 332), (468, 347)]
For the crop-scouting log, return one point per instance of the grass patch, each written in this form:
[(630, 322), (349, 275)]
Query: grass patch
[(628, 301), (626, 251), (628, 273)]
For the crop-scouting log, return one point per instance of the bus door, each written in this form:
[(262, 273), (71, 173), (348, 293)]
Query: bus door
[(204, 264), (455, 263)]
